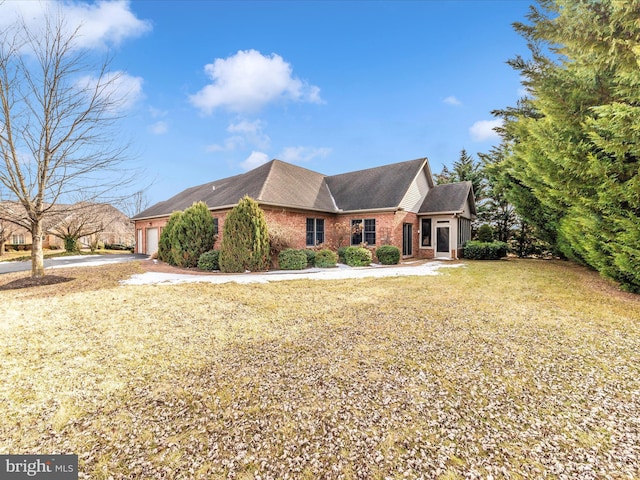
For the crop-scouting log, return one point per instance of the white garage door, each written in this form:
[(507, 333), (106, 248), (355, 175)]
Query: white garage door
[(152, 241)]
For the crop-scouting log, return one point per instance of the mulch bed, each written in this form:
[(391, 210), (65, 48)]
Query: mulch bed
[(28, 282)]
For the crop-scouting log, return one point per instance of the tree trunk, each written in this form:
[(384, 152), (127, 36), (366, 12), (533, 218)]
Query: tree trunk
[(37, 255), (2, 244)]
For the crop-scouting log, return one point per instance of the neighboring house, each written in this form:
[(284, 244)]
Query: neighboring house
[(394, 204), (113, 225)]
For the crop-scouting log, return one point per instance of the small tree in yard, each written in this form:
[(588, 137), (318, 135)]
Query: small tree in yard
[(192, 235), (56, 141), (245, 238)]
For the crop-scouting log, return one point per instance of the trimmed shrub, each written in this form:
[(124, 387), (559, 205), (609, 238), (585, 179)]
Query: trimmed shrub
[(209, 260), (357, 256), (165, 252), (341, 252), (311, 257), (485, 233), (326, 258), (192, 235), (388, 255), (475, 250), (245, 238), (292, 259)]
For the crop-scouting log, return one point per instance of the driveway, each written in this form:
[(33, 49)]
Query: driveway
[(338, 273), (73, 261)]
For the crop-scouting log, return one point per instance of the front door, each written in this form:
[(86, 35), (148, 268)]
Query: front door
[(442, 242), (407, 240)]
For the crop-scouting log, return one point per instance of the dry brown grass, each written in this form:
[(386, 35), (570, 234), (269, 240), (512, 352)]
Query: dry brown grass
[(517, 369)]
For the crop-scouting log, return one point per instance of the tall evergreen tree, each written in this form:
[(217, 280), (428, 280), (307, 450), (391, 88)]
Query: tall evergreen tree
[(245, 238), (574, 142)]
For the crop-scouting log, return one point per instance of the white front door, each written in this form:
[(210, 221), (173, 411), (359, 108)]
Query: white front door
[(152, 241), (442, 242)]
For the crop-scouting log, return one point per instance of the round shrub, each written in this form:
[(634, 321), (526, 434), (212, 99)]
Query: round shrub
[(326, 258), (311, 256), (341, 251), (388, 255), (485, 233), (209, 260), (357, 256), (292, 259)]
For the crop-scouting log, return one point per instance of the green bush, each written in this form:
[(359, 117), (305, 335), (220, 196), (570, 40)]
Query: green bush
[(326, 258), (192, 235), (245, 238), (165, 252), (341, 252), (475, 250), (311, 257), (209, 260), (357, 256), (292, 259), (485, 233), (388, 255)]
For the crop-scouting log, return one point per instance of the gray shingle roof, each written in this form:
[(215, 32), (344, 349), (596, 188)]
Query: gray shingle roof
[(283, 184), (449, 197), (379, 187), (275, 182)]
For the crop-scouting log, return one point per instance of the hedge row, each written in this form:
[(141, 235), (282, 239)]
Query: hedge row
[(475, 250)]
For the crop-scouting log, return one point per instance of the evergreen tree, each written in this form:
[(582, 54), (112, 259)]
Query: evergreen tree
[(574, 142), (165, 252), (192, 235), (467, 169), (245, 239)]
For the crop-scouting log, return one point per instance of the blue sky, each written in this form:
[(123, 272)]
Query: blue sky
[(218, 87)]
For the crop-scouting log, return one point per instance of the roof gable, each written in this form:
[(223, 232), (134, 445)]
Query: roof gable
[(374, 188)]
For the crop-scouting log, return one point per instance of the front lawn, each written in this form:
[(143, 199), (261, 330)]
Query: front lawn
[(510, 369)]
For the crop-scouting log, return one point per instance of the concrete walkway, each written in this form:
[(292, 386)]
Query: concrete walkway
[(339, 273)]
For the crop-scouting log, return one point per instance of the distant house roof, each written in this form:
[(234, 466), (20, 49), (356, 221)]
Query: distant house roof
[(449, 197), (279, 183)]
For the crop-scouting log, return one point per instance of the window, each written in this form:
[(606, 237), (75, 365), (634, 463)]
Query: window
[(425, 232), (464, 230), (363, 231), (215, 225), (315, 231), (17, 239)]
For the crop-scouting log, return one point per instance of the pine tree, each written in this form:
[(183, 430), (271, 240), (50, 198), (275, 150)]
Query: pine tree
[(245, 239), (165, 252)]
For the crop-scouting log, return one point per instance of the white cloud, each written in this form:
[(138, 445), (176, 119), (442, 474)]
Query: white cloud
[(159, 128), (247, 133), (302, 154), (248, 80), (118, 88), (451, 100), (484, 130), (254, 160), (100, 23)]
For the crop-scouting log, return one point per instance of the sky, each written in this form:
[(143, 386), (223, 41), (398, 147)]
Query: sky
[(215, 88)]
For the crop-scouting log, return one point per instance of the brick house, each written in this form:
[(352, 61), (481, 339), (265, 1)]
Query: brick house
[(395, 204)]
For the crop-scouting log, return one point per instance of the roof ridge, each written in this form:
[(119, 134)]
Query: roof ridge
[(266, 179)]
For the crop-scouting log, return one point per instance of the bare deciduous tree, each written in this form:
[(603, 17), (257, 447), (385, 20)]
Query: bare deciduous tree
[(57, 144)]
